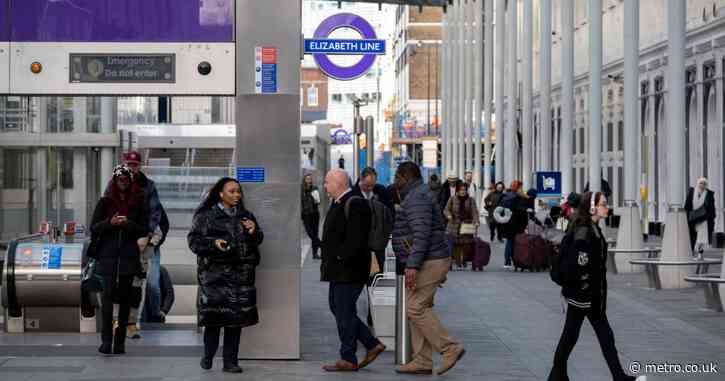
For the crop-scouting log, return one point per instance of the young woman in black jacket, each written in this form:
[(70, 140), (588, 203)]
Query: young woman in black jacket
[(119, 220), (225, 237), (585, 288)]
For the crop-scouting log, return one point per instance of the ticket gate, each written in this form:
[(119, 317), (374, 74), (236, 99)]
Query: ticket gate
[(41, 287)]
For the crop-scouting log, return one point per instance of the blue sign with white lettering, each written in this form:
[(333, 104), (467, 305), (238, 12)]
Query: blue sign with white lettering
[(251, 174), (269, 78), (548, 184), (55, 257), (344, 47)]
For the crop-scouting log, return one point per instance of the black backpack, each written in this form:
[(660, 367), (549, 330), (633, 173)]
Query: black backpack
[(556, 266)]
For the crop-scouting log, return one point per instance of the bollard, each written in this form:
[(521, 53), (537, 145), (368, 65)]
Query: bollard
[(403, 347)]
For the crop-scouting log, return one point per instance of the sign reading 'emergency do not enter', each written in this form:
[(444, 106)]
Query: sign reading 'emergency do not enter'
[(368, 46)]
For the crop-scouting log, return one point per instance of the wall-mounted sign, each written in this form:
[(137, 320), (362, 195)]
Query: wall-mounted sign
[(129, 68), (265, 70), (321, 46), (251, 174), (548, 184)]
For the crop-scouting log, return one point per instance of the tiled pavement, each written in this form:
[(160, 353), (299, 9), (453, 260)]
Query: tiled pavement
[(509, 323)]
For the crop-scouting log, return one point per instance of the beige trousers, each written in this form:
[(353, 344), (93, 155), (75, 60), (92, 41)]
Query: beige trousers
[(427, 332)]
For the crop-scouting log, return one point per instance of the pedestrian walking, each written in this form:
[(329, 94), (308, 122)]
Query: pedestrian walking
[(700, 207), (490, 203), (463, 221), (311, 213)]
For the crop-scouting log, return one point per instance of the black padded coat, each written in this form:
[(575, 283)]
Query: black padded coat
[(228, 296)]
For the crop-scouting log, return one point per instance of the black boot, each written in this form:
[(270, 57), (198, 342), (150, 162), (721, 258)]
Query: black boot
[(231, 366), (119, 341), (105, 348), (206, 363)]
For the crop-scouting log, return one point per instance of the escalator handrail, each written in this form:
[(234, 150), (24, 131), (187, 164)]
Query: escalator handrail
[(13, 307)]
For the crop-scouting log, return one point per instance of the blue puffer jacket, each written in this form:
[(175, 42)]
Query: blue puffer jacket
[(419, 232)]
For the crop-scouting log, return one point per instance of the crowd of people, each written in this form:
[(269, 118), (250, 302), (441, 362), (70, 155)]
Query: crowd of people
[(431, 228)]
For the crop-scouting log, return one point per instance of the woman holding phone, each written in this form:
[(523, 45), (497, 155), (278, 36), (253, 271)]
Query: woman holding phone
[(225, 237), (119, 220)]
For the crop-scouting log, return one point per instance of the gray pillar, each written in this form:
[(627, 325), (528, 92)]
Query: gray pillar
[(595, 95), (109, 119), (567, 97), (488, 88), (499, 89), (676, 241), (527, 118), (461, 166), (263, 121), (545, 87), (456, 86), (468, 83), (513, 86), (443, 70), (478, 92), (629, 235), (719, 165)]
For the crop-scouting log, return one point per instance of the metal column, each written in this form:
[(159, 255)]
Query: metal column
[(477, 92), (461, 90), (456, 86), (567, 97), (468, 125), (513, 87), (527, 119), (595, 95), (108, 121), (545, 88), (264, 139), (499, 87), (488, 89), (676, 241), (443, 127)]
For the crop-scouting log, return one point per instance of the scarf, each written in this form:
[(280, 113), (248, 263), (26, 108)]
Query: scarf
[(463, 211), (698, 198)]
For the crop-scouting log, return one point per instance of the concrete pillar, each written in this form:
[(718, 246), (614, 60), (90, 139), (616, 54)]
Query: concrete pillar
[(456, 82), (461, 141), (718, 166), (630, 227), (488, 88), (499, 87), (595, 95), (697, 119), (468, 83), (109, 118), (545, 146), (676, 241), (513, 87), (567, 97), (528, 79), (478, 92)]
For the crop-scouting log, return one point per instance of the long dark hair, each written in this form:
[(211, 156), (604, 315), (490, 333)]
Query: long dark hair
[(212, 198), (583, 215)]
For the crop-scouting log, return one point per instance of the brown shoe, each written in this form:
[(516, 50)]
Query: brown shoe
[(341, 366), (372, 355), (450, 359), (413, 368)]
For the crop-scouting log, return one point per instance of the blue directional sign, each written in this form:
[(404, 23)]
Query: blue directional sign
[(548, 184), (344, 47), (251, 174)]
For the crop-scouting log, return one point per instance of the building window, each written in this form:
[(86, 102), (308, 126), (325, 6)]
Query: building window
[(620, 128), (336, 98), (610, 137), (66, 168), (302, 96), (312, 97), (14, 170)]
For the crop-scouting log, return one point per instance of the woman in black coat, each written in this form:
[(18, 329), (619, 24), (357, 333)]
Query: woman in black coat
[(225, 237), (119, 220), (701, 214), (583, 266)]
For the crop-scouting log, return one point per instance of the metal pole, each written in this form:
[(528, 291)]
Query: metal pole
[(511, 146), (455, 86), (488, 89), (437, 119), (527, 119), (443, 67), (403, 347), (675, 83), (499, 87), (631, 97), (356, 127), (567, 97), (469, 86), (477, 93), (427, 116), (370, 141), (595, 95), (545, 88)]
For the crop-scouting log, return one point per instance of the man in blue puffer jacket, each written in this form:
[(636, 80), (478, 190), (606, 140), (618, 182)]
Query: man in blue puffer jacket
[(419, 242)]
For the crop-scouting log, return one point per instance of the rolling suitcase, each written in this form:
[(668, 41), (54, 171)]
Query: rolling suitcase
[(531, 252), (481, 254)]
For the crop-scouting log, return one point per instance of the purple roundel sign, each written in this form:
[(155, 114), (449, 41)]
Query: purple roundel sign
[(321, 46)]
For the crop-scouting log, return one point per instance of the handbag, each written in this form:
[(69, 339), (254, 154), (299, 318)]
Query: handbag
[(91, 281), (469, 229), (697, 215)]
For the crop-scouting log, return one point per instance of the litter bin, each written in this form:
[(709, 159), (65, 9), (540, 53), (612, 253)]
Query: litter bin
[(382, 308)]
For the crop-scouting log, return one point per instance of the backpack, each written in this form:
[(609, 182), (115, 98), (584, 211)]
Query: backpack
[(556, 266), (381, 225)]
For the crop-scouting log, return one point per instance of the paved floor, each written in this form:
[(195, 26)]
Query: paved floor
[(509, 322)]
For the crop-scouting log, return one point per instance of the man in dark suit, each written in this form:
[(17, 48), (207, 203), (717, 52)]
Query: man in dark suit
[(346, 266)]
